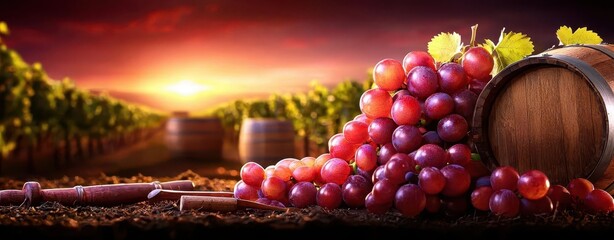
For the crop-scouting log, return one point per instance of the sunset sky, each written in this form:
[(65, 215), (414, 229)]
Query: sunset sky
[(188, 55)]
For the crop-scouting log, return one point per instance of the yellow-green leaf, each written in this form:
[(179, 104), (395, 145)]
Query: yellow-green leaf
[(580, 36), (445, 46), (4, 29), (511, 47)]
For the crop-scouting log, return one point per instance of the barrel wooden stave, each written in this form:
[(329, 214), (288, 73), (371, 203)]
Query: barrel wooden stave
[(266, 141), (195, 138), (544, 113)]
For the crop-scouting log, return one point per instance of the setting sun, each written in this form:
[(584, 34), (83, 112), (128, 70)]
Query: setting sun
[(187, 88)]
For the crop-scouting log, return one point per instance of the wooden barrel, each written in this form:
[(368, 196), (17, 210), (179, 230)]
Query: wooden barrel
[(195, 138), (266, 141), (553, 112)]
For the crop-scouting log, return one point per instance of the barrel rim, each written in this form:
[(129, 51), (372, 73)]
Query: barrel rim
[(596, 81)]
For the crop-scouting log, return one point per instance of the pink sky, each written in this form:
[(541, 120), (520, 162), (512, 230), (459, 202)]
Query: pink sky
[(253, 48)]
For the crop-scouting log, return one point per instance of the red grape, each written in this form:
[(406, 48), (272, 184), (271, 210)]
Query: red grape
[(378, 174), (304, 174), (381, 129), (432, 137), (245, 191), (452, 128), (406, 111), (438, 105), (477, 62), (431, 180), (375, 207), (452, 78), (396, 168), (303, 194), (410, 200), (431, 155), (384, 190), (317, 167), (418, 58), (480, 198), (388, 74), (363, 118), (366, 157), (252, 174), (406, 138), (341, 148), (504, 202), (283, 172), (460, 154), (433, 204), (560, 196), (579, 188), (458, 180), (422, 82), (476, 86), (356, 132), (274, 188), (385, 152), (505, 177), (335, 170), (535, 207), (533, 184), (464, 104), (329, 196), (376, 103), (599, 201), (354, 191)]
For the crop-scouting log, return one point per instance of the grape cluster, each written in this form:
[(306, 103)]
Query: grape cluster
[(409, 151)]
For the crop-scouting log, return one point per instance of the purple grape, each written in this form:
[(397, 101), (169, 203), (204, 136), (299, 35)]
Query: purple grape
[(378, 174), (329, 196), (381, 129), (464, 103), (431, 155), (452, 78), (406, 138), (482, 181), (410, 200), (411, 177), (397, 167), (432, 137), (422, 82), (303, 194), (384, 191), (375, 207), (452, 128), (385, 152), (438, 105), (245, 191), (354, 191)]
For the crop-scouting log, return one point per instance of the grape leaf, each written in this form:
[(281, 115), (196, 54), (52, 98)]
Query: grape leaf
[(4, 29), (511, 47), (445, 46), (580, 36)]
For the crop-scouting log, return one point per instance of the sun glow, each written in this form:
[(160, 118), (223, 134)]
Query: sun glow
[(187, 88)]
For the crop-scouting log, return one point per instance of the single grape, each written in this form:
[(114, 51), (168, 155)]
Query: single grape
[(308, 161), (304, 174), (329, 196), (366, 157), (504, 202), (340, 148), (458, 180), (269, 171), (410, 200), (356, 132), (388, 74), (336, 171), (599, 201), (418, 58), (406, 111), (539, 206), (411, 177), (381, 129), (385, 153), (431, 155), (294, 165), (579, 188), (283, 172), (365, 174), (252, 174), (354, 191), (433, 204), (452, 128), (245, 191), (477, 62), (384, 191), (505, 177), (438, 105), (399, 94), (480, 198), (376, 103), (560, 196), (422, 82), (431, 180), (406, 138), (396, 168), (464, 103), (286, 162), (460, 154), (452, 78), (482, 181), (303, 194), (363, 118), (375, 207), (274, 188), (533, 184), (317, 167), (378, 174)]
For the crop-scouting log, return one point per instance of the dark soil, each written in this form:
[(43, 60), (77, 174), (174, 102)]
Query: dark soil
[(163, 220)]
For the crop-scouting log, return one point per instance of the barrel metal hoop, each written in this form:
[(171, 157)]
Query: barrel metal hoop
[(602, 88), (600, 48), (80, 192)]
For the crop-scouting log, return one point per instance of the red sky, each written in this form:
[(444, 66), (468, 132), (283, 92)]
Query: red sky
[(136, 49)]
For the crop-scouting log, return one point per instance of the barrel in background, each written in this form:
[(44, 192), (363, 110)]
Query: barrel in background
[(195, 138), (266, 141), (553, 112)]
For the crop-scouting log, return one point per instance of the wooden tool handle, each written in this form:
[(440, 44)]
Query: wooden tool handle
[(175, 195), (207, 203)]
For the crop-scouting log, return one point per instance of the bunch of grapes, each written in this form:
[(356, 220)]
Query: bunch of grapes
[(409, 151)]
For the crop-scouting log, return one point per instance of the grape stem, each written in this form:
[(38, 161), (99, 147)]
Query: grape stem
[(474, 31)]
